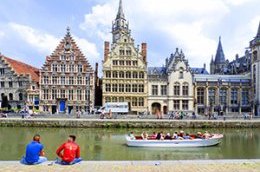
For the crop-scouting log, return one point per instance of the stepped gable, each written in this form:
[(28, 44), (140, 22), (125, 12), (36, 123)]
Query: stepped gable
[(68, 46), (21, 68)]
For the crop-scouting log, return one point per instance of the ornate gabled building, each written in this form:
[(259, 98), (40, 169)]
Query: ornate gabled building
[(170, 88), (66, 79), (255, 71), (125, 67), (19, 83)]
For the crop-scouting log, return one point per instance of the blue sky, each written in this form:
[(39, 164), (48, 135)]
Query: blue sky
[(30, 30)]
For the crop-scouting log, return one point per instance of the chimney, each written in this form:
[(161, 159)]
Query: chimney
[(106, 50), (144, 51), (204, 65)]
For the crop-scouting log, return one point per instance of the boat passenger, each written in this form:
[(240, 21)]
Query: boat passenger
[(160, 136), (144, 135), (199, 135), (187, 136), (69, 152), (175, 135), (206, 135), (34, 152), (131, 135), (153, 136), (167, 137), (181, 133)]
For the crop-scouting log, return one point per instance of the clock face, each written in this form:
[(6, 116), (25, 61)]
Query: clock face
[(117, 36)]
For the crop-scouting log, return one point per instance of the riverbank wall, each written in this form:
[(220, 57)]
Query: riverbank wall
[(126, 123)]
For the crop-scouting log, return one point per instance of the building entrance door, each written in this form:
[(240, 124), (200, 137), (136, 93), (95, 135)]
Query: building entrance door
[(62, 106), (53, 109)]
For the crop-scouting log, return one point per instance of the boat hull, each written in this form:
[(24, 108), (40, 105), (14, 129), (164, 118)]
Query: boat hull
[(215, 140)]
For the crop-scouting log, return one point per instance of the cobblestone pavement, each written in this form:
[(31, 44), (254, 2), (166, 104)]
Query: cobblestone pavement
[(139, 166)]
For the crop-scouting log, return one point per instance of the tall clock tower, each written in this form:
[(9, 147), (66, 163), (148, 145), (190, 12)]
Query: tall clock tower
[(124, 67), (255, 48)]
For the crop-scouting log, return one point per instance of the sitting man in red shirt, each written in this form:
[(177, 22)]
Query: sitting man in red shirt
[(69, 152)]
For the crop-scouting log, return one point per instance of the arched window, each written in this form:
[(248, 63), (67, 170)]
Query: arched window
[(121, 74), (10, 96), (108, 99), (200, 95), (115, 74), (20, 96), (135, 75), (108, 74), (128, 74), (176, 89), (114, 99)]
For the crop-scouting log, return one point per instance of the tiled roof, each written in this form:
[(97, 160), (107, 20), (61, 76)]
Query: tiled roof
[(21, 68), (196, 70), (156, 70)]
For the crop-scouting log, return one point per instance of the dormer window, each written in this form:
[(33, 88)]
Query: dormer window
[(62, 57), (181, 75), (67, 46)]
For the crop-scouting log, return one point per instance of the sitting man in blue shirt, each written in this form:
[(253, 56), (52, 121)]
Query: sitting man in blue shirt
[(34, 152)]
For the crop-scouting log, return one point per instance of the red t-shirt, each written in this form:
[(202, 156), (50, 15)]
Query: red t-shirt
[(70, 151)]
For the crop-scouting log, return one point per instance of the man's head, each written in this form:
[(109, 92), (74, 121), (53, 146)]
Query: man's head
[(72, 138), (36, 138)]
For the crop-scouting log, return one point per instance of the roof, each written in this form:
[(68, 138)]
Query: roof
[(220, 57), (196, 70), (156, 70), (120, 13), (223, 78), (21, 68)]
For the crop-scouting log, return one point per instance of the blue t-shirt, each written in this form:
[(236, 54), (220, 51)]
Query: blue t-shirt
[(33, 150)]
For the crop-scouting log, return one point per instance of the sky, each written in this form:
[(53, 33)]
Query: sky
[(30, 30)]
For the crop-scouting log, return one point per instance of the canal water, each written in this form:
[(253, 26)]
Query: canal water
[(109, 144)]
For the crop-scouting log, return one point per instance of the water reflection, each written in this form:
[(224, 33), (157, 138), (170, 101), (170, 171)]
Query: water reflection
[(109, 144)]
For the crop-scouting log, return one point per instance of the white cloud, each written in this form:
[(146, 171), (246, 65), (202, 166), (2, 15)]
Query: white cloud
[(2, 34), (46, 43), (237, 2)]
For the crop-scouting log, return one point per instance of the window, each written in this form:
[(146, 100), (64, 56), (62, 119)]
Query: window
[(45, 80), (114, 87), (128, 63), (10, 84), (107, 99), (108, 87), (62, 80), (63, 68), (79, 95), (121, 52), (135, 75), (62, 57), (128, 88), (114, 99), (54, 94), (223, 96), (45, 94), (185, 104), (54, 80), (121, 88), (135, 63), (121, 74), (134, 88), (141, 75), (185, 89), (234, 96), (115, 62), (154, 90), (121, 99), (163, 90), (121, 63), (176, 104), (141, 88), (212, 96), (200, 96), (71, 68), (128, 52), (141, 101), (71, 80), (115, 74), (134, 101), (10, 96), (72, 57), (245, 96), (176, 89), (108, 74), (20, 83), (128, 75), (79, 80), (62, 93), (2, 84), (2, 71), (54, 67), (70, 94), (181, 75), (80, 69)]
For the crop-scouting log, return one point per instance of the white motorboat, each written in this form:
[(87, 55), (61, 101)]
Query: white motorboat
[(215, 139)]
